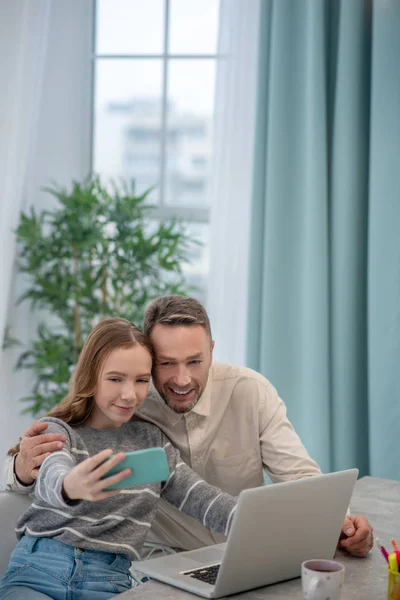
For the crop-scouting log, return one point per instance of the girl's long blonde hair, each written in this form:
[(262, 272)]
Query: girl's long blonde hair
[(106, 336)]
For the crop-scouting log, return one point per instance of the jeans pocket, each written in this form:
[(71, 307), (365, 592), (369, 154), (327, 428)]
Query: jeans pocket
[(12, 572), (104, 586), (121, 585)]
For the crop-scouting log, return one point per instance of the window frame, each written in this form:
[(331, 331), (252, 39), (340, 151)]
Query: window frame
[(163, 211)]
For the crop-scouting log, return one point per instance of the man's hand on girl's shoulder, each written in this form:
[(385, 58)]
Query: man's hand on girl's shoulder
[(34, 448)]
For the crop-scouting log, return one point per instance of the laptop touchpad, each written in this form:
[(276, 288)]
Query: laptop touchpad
[(208, 555)]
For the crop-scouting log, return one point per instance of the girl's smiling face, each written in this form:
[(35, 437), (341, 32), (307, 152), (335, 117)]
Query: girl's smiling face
[(122, 387)]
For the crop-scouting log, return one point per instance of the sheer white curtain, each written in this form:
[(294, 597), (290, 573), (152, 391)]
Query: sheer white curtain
[(23, 43), (230, 196)]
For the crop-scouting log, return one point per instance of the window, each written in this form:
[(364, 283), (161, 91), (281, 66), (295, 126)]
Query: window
[(153, 104)]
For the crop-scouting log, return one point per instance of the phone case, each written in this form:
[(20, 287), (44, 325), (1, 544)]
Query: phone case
[(148, 466)]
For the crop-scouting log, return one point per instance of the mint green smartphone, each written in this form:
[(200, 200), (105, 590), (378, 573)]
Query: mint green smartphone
[(148, 466)]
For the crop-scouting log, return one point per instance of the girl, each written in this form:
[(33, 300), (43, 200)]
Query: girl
[(77, 540)]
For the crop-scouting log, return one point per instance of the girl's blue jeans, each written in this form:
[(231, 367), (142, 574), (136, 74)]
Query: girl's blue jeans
[(42, 568)]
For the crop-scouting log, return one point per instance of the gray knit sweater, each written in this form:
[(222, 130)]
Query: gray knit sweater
[(119, 524)]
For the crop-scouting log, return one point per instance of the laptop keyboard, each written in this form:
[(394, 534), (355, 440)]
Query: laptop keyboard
[(206, 574)]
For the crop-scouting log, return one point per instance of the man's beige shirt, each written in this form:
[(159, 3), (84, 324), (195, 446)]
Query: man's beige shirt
[(237, 429)]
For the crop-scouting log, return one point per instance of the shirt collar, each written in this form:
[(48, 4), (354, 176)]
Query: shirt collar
[(203, 405)]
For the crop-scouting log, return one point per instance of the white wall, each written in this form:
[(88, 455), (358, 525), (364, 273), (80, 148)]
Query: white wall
[(62, 154)]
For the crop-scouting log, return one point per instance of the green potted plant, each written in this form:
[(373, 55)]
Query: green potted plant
[(98, 253)]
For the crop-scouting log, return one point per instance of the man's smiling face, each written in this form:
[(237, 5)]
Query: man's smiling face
[(183, 360)]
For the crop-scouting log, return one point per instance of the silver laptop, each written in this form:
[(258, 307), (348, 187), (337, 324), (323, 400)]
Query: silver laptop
[(275, 528)]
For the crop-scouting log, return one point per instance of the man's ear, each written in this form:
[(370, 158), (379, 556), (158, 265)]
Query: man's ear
[(212, 345)]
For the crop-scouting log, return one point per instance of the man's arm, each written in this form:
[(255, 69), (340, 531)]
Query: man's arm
[(283, 455), (10, 481), (21, 471)]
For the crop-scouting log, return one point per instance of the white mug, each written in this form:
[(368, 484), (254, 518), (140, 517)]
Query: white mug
[(322, 579)]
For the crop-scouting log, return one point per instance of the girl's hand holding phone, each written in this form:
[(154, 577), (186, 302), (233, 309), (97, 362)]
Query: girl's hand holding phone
[(84, 481)]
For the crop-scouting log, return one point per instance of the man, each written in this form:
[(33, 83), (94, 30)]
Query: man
[(228, 423)]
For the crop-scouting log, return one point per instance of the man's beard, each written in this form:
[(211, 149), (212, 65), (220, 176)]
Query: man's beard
[(180, 410)]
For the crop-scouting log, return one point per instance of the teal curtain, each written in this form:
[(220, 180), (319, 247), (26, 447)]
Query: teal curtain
[(324, 289)]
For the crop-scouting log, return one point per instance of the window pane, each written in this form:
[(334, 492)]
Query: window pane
[(189, 131), (130, 27), (196, 273), (128, 121), (193, 26)]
